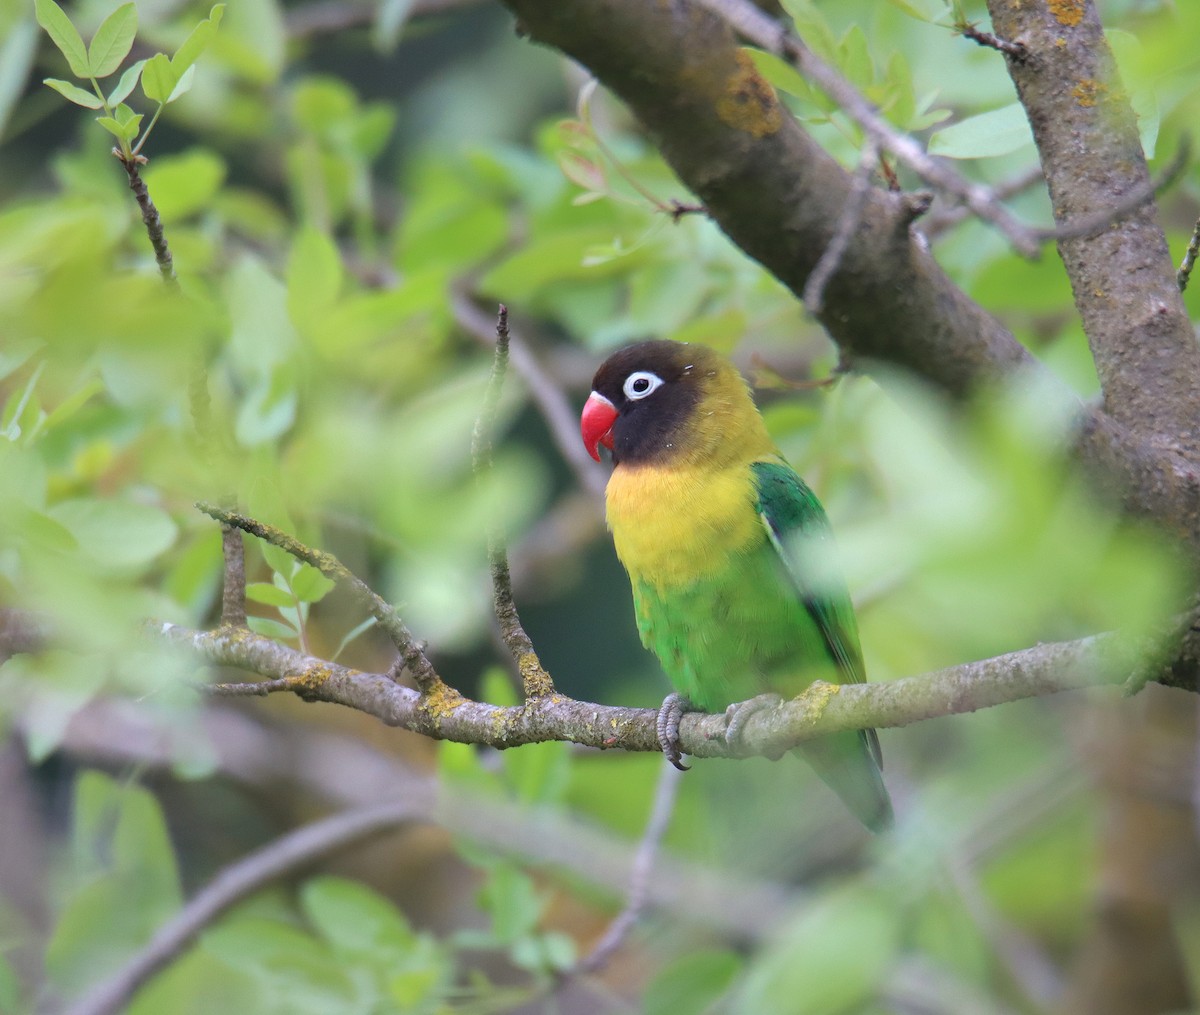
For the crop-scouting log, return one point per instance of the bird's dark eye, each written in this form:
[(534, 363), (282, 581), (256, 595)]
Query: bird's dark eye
[(640, 383)]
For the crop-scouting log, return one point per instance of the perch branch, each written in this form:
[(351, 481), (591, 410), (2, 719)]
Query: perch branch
[(823, 708)]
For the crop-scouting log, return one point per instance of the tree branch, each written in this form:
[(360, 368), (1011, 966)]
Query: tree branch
[(284, 856), (535, 681), (414, 657), (823, 708), (150, 217), (1123, 279)]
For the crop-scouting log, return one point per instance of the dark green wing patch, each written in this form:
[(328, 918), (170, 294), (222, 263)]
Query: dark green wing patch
[(799, 530)]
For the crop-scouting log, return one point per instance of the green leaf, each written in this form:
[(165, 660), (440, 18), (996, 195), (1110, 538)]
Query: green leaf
[(778, 72), (314, 276), (185, 183), (922, 10), (184, 84), (309, 585), (197, 42), (114, 128), (126, 84), (692, 984), (996, 132), (113, 40), (117, 535), (158, 78), (73, 93), (269, 628), (64, 35), (355, 919), (271, 595)]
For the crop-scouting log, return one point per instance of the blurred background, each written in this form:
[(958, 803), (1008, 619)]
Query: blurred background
[(348, 190)]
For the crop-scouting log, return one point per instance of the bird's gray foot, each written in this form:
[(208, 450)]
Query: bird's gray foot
[(737, 714), (667, 726)]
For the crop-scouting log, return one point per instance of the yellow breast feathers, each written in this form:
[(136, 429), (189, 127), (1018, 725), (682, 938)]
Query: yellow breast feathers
[(673, 525)]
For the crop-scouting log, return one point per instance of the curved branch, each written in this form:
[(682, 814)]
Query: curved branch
[(278, 859)]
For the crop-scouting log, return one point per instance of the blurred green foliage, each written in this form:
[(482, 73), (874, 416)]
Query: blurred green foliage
[(329, 199)]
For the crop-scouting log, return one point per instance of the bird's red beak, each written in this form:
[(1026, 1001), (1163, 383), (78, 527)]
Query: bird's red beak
[(596, 424)]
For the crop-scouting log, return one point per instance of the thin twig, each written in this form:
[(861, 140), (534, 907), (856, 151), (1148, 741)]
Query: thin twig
[(848, 222), (641, 874), (150, 216), (415, 660), (1013, 50), (546, 395), (942, 219), (285, 856), (326, 16), (535, 681), (1189, 258), (766, 32)]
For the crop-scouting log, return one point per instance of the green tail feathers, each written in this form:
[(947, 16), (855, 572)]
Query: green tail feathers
[(847, 764)]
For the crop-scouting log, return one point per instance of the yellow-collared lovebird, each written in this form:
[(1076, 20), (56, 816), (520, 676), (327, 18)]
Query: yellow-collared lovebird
[(727, 550)]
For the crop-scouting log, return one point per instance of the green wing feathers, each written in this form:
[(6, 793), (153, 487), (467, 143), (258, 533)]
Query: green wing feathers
[(850, 763)]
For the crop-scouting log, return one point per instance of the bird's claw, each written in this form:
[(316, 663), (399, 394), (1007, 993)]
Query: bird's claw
[(667, 727), (739, 713)]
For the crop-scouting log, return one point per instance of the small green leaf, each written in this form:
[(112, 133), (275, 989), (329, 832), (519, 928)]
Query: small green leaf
[(73, 93), (158, 78), (113, 40), (64, 35), (269, 628), (314, 275), (118, 535), (309, 585), (922, 10), (184, 84), (111, 125), (127, 84), (197, 42), (265, 592), (996, 132)]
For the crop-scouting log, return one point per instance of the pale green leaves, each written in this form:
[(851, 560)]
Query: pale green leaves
[(110, 45), (996, 132), (64, 35), (164, 79), (73, 93), (113, 41)]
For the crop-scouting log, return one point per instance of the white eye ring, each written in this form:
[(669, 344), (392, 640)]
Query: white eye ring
[(641, 383)]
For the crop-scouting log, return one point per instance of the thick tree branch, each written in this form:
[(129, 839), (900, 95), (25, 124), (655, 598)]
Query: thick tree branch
[(1123, 279)]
